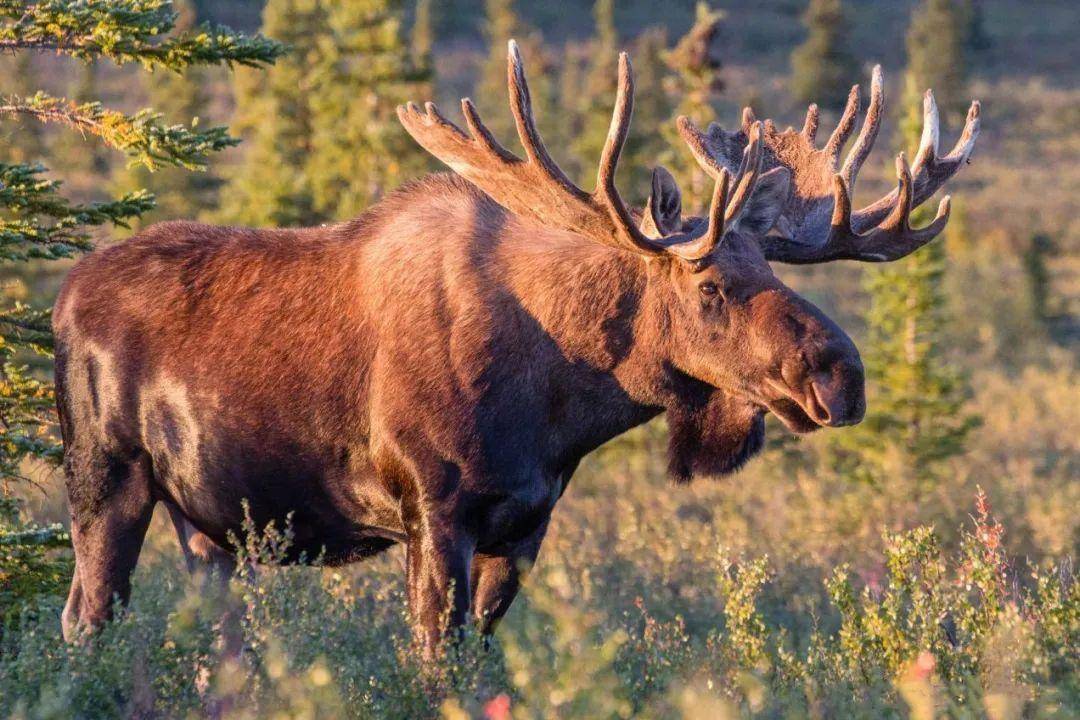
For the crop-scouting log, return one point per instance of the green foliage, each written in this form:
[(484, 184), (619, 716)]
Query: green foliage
[(274, 116), (823, 67), (359, 149), (916, 419), (25, 142), (29, 566), (125, 31), (41, 224), (937, 58), (696, 63), (976, 38), (324, 140), (953, 617), (1039, 250), (182, 96), (142, 136), (965, 632), (423, 33)]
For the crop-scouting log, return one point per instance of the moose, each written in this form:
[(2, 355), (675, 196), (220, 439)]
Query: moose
[(432, 372)]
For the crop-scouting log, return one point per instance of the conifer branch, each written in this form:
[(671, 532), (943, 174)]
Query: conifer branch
[(42, 224), (143, 136), (127, 31)]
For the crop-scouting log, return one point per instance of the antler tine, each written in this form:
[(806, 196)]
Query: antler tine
[(717, 215), (748, 173), (845, 127), (750, 166), (898, 218), (609, 157), (536, 188), (810, 125), (480, 132), (696, 141), (521, 107), (929, 171), (892, 239), (748, 119), (818, 227), (966, 142), (868, 133), (931, 132), (927, 162)]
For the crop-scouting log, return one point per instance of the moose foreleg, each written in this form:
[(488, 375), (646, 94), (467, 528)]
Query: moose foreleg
[(437, 568)]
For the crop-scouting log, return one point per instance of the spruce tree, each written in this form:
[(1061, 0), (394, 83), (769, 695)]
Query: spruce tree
[(423, 33), (38, 222), (84, 159), (976, 39), (1039, 250), (324, 140), (937, 58), (270, 185), (823, 67), (647, 145), (596, 97), (501, 24), (359, 150), (696, 63), (23, 141), (181, 96), (916, 419)]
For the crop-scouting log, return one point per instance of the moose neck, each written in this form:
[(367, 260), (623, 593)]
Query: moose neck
[(598, 307)]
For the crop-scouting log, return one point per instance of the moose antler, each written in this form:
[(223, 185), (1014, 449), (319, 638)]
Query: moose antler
[(817, 224), (537, 188)]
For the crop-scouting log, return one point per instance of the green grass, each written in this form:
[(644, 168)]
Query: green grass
[(608, 632)]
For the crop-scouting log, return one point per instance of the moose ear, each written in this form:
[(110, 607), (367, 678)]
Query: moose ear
[(764, 206), (663, 211)]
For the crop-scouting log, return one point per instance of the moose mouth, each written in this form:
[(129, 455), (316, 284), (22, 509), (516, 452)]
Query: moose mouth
[(818, 405)]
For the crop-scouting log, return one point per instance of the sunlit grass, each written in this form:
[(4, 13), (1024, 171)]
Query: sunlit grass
[(964, 632)]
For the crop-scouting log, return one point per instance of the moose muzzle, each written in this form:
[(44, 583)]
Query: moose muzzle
[(818, 380)]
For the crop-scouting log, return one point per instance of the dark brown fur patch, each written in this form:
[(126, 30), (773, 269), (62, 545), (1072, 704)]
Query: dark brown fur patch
[(712, 438)]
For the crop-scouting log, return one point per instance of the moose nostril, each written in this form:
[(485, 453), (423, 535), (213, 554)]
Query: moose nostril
[(828, 401), (838, 389)]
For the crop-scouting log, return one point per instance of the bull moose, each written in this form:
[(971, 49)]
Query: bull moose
[(432, 372)]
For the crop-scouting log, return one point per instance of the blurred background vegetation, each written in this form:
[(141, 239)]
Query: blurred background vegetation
[(648, 599)]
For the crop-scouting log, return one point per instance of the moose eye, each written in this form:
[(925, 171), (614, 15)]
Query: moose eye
[(708, 289)]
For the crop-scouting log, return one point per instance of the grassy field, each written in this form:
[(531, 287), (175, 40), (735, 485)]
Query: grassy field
[(789, 590)]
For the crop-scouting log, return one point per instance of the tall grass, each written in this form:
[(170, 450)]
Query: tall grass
[(967, 632)]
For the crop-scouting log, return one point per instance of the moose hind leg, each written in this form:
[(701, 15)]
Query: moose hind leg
[(69, 619), (201, 554), (213, 567), (111, 506), (496, 578)]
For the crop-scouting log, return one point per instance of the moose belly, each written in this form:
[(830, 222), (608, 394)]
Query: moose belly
[(229, 483), (320, 526)]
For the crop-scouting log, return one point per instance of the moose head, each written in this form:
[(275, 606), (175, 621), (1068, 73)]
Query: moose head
[(736, 340)]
